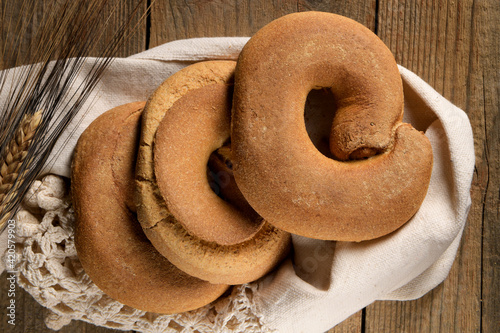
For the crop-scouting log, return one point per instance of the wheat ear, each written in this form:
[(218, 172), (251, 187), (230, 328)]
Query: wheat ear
[(12, 160)]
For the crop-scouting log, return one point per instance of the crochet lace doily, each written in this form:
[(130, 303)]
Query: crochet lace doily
[(50, 271)]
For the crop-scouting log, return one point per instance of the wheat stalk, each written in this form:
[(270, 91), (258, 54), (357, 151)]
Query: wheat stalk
[(54, 57)]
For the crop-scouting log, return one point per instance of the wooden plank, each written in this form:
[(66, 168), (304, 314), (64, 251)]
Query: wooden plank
[(117, 12), (353, 324), (178, 19), (485, 105), (22, 33), (443, 43), (30, 314)]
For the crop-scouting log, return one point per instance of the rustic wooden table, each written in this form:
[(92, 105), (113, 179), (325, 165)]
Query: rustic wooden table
[(452, 45)]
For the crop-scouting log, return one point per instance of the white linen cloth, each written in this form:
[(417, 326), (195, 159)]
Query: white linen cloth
[(325, 282)]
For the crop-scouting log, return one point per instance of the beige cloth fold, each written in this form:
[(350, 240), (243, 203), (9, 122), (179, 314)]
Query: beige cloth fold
[(326, 281)]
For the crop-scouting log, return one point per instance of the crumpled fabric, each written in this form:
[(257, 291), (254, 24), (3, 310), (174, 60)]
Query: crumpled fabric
[(321, 285)]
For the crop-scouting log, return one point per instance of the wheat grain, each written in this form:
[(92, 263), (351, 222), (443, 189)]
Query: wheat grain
[(12, 160)]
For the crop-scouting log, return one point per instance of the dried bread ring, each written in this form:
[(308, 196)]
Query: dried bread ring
[(279, 170), (110, 242), (187, 222)]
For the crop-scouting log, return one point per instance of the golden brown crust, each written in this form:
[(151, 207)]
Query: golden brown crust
[(278, 169), (195, 126), (150, 210), (184, 219), (110, 243)]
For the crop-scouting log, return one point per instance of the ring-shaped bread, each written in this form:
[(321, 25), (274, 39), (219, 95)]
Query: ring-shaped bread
[(185, 120), (111, 245), (276, 166)]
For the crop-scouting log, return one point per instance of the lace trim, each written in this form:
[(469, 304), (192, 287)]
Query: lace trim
[(50, 271)]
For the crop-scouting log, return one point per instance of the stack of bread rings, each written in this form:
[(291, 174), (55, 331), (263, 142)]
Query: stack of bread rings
[(201, 186)]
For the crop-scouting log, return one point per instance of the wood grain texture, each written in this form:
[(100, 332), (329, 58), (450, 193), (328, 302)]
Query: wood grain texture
[(483, 108), (17, 35), (178, 19), (455, 47)]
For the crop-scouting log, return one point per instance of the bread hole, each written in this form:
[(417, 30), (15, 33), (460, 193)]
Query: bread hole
[(319, 112), (220, 171), (221, 179)]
